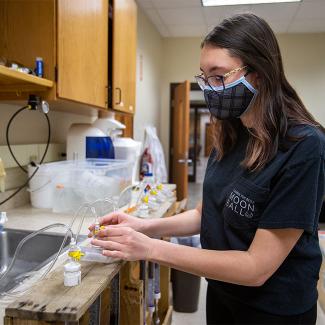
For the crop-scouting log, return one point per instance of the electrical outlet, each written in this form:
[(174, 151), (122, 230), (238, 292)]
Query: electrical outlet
[(32, 158), (26, 153)]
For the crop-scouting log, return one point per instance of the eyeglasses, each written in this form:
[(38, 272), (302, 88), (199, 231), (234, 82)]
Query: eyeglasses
[(217, 80)]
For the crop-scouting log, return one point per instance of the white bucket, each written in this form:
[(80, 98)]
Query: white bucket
[(41, 187)]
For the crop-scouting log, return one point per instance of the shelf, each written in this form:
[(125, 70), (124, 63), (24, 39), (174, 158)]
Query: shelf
[(15, 81)]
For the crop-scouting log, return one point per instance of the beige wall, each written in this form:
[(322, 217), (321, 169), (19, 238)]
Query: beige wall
[(149, 48), (304, 64), (30, 126), (303, 56)]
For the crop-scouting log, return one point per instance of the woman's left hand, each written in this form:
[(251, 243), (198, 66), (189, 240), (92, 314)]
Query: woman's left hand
[(125, 243)]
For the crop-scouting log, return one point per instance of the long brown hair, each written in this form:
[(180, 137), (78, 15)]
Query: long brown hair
[(250, 38)]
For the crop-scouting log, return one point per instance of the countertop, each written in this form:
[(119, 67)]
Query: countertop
[(28, 218)]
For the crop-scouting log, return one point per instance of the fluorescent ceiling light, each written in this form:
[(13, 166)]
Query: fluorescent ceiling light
[(209, 3)]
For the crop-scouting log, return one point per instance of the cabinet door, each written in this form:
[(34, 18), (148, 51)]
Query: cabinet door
[(124, 55), (22, 39), (83, 51)]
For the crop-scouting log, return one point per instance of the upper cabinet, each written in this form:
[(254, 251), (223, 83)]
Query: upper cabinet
[(124, 55), (82, 51), (88, 49)]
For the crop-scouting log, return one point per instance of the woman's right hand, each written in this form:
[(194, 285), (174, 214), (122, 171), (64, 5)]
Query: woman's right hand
[(117, 219)]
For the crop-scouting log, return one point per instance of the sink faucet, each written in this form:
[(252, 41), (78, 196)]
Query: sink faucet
[(4, 258), (3, 219)]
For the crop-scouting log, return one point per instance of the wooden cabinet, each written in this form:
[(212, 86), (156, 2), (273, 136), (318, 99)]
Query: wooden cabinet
[(89, 56), (83, 51), (124, 55)]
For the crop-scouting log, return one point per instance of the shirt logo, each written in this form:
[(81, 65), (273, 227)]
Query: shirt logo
[(240, 204)]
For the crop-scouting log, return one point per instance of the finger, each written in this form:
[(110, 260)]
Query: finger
[(117, 239), (108, 230), (107, 244), (116, 231), (111, 218), (114, 254), (103, 233)]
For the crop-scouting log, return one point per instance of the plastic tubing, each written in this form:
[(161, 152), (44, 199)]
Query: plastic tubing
[(120, 201), (13, 292), (10, 293)]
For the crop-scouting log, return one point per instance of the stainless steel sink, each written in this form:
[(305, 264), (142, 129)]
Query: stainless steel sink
[(36, 253)]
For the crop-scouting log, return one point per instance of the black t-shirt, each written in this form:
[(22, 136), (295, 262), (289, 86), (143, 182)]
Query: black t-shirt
[(287, 193)]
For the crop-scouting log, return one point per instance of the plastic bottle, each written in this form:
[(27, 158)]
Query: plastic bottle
[(72, 274), (166, 191), (149, 181), (72, 269)]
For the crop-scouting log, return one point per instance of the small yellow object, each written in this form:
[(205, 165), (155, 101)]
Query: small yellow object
[(76, 255), (96, 231), (145, 199), (160, 187), (153, 192)]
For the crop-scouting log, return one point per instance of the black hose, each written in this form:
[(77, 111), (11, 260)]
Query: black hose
[(14, 157)]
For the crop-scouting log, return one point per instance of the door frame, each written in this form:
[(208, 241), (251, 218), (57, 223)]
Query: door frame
[(193, 87)]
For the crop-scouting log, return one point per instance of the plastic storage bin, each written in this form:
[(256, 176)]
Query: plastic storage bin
[(74, 183)]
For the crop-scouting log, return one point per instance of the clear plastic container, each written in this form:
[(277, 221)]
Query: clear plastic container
[(88, 180), (94, 254)]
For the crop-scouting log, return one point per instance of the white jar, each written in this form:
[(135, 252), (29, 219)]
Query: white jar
[(72, 274)]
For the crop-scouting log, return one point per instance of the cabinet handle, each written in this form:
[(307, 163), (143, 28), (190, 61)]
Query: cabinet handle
[(120, 96)]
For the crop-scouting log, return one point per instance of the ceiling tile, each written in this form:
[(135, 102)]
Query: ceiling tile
[(307, 26), (176, 3), (274, 12), (311, 10), (279, 27), (187, 30), (145, 3), (163, 30), (154, 16), (180, 16)]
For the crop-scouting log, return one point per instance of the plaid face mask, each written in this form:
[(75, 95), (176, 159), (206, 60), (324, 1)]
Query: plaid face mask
[(230, 101)]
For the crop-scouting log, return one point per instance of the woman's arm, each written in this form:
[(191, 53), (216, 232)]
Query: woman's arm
[(183, 224), (251, 268)]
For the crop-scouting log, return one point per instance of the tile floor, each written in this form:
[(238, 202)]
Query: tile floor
[(198, 318)]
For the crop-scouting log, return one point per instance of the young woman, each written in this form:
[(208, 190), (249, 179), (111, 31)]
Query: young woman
[(262, 193)]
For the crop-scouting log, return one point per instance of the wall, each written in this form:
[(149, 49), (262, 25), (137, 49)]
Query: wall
[(304, 64), (149, 56), (30, 126), (303, 56)]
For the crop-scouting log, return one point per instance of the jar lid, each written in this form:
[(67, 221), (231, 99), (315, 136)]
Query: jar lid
[(72, 267)]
